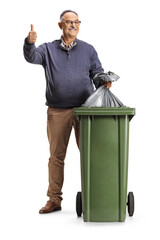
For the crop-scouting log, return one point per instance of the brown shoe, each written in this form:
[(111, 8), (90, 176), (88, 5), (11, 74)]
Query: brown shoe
[(50, 207)]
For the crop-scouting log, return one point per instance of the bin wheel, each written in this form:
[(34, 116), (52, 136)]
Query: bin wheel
[(130, 204), (79, 204)]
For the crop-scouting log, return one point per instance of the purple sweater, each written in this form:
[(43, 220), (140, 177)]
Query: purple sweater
[(68, 73)]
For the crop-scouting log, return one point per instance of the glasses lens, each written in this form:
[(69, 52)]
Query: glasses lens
[(77, 22), (68, 22)]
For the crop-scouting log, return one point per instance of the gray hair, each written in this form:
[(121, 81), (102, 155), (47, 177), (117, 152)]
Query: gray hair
[(62, 14)]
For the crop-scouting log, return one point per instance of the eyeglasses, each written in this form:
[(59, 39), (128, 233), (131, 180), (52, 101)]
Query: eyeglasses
[(69, 22)]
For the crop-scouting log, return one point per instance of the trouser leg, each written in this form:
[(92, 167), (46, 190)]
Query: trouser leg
[(75, 124), (59, 126)]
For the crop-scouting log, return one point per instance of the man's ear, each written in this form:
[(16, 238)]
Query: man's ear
[(60, 25)]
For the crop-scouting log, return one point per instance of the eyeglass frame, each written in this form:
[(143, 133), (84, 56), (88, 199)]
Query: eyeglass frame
[(71, 22)]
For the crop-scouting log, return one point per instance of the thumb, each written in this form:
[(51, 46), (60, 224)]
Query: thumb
[(32, 27)]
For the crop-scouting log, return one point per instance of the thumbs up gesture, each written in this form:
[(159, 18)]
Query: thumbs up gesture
[(32, 35)]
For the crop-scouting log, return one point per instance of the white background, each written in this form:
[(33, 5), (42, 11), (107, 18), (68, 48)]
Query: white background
[(126, 36)]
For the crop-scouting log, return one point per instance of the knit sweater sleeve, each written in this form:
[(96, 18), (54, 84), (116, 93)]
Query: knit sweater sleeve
[(33, 54), (96, 67)]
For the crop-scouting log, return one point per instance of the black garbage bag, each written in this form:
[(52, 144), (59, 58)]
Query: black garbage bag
[(106, 77), (103, 97)]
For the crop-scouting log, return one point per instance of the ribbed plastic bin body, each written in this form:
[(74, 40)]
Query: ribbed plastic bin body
[(104, 143)]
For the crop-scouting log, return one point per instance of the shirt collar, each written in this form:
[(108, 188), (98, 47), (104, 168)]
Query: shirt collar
[(71, 45)]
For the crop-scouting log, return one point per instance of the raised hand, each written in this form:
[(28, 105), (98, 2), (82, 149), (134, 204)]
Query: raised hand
[(32, 35)]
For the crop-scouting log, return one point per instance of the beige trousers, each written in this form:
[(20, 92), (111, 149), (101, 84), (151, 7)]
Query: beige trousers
[(59, 126)]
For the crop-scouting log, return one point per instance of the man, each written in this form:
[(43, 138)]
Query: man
[(70, 65)]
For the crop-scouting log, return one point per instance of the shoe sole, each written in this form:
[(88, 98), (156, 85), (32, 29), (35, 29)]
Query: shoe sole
[(56, 209)]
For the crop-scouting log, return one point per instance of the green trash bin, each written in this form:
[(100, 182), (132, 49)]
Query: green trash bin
[(104, 143)]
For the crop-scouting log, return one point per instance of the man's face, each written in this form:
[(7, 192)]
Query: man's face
[(68, 25)]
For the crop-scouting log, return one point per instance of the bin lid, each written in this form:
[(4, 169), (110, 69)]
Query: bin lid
[(104, 111)]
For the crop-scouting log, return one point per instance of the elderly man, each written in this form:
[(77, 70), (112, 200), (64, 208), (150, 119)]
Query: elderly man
[(70, 65)]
